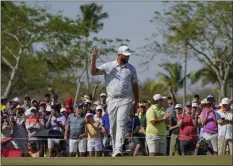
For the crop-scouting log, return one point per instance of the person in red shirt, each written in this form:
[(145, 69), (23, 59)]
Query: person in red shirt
[(187, 122), (69, 106)]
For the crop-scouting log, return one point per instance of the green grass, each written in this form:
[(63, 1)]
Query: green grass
[(175, 160)]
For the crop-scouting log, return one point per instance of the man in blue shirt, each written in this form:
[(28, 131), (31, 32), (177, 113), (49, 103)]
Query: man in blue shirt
[(132, 126)]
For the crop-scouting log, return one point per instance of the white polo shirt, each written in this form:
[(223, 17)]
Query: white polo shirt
[(224, 131)]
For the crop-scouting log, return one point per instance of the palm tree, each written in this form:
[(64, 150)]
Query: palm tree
[(172, 75), (207, 76), (90, 22), (149, 88)]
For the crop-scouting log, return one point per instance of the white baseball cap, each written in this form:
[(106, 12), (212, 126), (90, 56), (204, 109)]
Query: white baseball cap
[(103, 94), (204, 101), (124, 50), (194, 105), (89, 114), (225, 101), (63, 110), (87, 101), (178, 106), (158, 97), (16, 99), (99, 107), (97, 103)]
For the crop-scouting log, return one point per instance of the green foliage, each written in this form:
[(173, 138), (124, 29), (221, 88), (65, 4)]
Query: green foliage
[(173, 75), (64, 48), (149, 88), (205, 28)]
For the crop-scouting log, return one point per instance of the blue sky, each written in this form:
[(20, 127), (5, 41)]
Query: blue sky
[(126, 20)]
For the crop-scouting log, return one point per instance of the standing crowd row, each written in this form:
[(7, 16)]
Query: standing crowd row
[(160, 127)]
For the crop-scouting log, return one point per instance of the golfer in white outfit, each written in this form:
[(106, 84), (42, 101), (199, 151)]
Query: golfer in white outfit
[(121, 81)]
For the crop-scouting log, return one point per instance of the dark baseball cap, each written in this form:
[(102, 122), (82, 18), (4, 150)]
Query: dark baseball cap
[(27, 96), (46, 95), (188, 104)]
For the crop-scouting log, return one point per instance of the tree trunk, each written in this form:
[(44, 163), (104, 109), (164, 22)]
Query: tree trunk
[(13, 74), (223, 89), (185, 73), (77, 92), (86, 66)]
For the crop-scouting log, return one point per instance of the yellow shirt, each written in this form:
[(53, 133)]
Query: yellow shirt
[(155, 113), (3, 107), (93, 131)]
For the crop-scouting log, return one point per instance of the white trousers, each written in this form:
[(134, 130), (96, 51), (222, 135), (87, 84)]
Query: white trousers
[(118, 110)]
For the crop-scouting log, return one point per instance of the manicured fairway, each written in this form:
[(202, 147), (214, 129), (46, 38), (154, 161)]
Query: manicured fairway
[(176, 160)]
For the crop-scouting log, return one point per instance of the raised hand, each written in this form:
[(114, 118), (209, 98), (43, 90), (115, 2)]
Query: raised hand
[(95, 53)]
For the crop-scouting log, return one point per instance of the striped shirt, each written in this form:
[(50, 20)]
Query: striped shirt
[(118, 79), (19, 129)]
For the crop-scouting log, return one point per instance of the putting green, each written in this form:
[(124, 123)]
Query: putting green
[(175, 160)]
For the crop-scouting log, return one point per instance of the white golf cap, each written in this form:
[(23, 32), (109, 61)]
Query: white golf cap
[(97, 103), (89, 114), (16, 99), (99, 107), (33, 108), (103, 94), (204, 101), (225, 101), (158, 97), (63, 110), (194, 105), (87, 101), (124, 50), (178, 106)]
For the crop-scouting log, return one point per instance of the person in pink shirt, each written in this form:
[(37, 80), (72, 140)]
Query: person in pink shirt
[(187, 122), (210, 128)]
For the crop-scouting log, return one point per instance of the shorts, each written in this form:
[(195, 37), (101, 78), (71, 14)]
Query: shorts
[(94, 144), (156, 144), (187, 146), (81, 144), (51, 142), (213, 139)]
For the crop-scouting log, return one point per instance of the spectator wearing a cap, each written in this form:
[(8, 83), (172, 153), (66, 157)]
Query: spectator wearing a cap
[(103, 98), (106, 132), (63, 112), (211, 101), (69, 106), (47, 98), (6, 129), (96, 103), (187, 122), (20, 133), (132, 126), (15, 102), (156, 127), (75, 131), (224, 118), (27, 102), (35, 103), (174, 129), (55, 122), (196, 99), (94, 141), (142, 117), (122, 84), (34, 124), (87, 107), (210, 128), (171, 110), (3, 103), (85, 97)]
